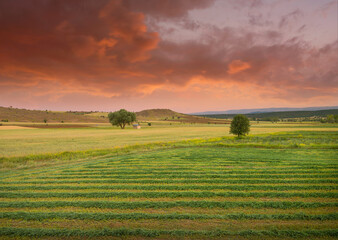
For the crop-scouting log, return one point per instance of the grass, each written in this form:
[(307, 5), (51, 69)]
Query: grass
[(23, 142), (37, 147), (267, 186), (35, 232), (136, 216)]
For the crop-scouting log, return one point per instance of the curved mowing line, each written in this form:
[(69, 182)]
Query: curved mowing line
[(194, 171), (173, 187), (42, 232), (154, 181), (166, 194), (135, 216), (188, 176), (165, 204)]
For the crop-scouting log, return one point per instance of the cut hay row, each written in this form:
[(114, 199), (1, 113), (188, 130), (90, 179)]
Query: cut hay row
[(192, 176), (166, 204), (43, 232), (179, 210), (136, 216), (172, 181), (108, 216), (148, 194), (172, 187), (169, 171)]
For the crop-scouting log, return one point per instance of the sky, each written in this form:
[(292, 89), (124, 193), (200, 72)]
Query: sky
[(185, 55)]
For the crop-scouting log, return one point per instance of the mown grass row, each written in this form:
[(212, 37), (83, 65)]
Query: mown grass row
[(173, 187), (190, 176), (44, 232), (166, 204), (220, 167), (186, 181), (39, 216), (192, 171), (167, 194), (208, 167)]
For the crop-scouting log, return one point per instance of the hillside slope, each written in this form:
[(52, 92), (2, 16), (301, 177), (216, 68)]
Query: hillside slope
[(24, 115), (169, 115), (38, 116)]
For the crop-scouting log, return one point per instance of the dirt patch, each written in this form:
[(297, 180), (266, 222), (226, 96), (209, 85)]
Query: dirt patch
[(58, 126), (13, 127)]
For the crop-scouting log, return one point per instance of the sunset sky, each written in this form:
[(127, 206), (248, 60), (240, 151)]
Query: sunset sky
[(186, 55)]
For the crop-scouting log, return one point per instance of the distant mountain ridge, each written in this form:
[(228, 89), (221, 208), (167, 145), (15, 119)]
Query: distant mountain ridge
[(264, 110)]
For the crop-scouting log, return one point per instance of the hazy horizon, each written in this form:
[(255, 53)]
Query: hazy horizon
[(206, 111)]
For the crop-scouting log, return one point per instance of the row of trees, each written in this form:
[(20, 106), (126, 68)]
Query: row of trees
[(330, 119), (240, 124)]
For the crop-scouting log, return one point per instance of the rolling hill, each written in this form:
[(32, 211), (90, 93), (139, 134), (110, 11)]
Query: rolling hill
[(169, 115), (38, 116)]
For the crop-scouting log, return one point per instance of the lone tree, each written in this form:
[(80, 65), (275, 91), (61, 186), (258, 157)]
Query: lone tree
[(121, 118), (240, 125)]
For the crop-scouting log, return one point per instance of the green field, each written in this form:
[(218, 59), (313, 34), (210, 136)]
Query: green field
[(277, 185), (22, 142)]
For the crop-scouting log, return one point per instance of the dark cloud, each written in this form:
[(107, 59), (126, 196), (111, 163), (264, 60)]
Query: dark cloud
[(166, 8), (104, 48), (289, 18), (259, 20)]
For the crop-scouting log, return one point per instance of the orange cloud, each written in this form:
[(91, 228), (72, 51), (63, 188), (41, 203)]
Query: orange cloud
[(112, 49), (237, 66)]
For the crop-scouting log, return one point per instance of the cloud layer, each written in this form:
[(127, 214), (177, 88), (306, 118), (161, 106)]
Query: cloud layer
[(117, 52)]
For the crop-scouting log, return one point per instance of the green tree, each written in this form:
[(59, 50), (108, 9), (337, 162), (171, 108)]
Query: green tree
[(336, 118), (240, 125), (330, 118), (121, 118)]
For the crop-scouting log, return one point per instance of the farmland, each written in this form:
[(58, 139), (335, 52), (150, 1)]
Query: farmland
[(279, 183)]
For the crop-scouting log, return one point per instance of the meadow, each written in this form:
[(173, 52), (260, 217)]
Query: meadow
[(171, 182), (31, 141)]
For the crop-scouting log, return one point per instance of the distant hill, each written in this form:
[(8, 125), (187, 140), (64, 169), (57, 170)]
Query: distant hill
[(288, 114), (38, 116), (169, 115), (158, 114), (263, 110)]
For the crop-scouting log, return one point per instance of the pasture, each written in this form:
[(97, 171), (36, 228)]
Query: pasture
[(23, 142), (280, 183)]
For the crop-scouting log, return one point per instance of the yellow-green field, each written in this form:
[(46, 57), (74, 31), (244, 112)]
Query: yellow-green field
[(21, 142), (170, 182)]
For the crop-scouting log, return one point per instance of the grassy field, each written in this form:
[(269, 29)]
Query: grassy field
[(22, 142), (275, 185)]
